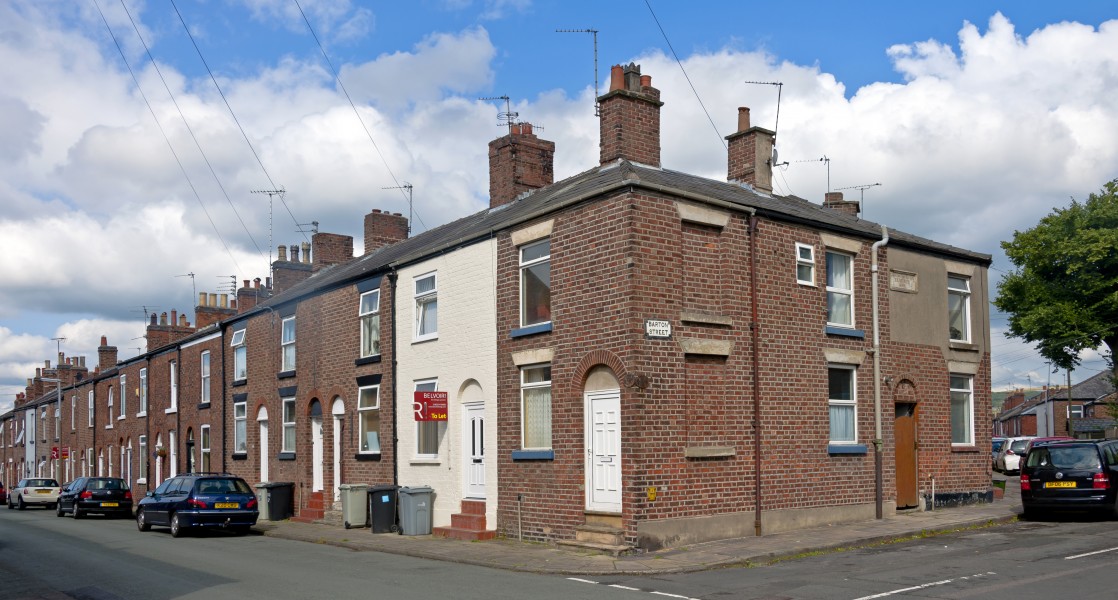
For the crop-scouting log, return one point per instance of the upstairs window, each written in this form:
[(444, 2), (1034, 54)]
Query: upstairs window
[(143, 392), (174, 386), (369, 313), (89, 408), (287, 343), (535, 283), (73, 422), (805, 264), (368, 414), (426, 308), (109, 411), (958, 308), (840, 289), (240, 356), (123, 395), (204, 368)]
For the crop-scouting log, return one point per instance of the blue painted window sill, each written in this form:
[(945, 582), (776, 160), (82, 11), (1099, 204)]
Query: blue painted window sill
[(533, 455), (843, 331), (532, 330), (846, 449)]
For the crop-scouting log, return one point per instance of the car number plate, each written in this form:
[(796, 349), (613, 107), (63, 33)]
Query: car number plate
[(1059, 484), (42, 491), (226, 505), (109, 504)]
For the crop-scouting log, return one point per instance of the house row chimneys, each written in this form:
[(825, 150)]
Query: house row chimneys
[(629, 124)]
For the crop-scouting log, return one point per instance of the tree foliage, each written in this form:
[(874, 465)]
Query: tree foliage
[(1063, 293)]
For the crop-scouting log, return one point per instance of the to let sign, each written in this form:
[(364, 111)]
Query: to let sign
[(430, 406)]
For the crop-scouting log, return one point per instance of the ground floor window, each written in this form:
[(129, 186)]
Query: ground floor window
[(962, 410), (535, 407)]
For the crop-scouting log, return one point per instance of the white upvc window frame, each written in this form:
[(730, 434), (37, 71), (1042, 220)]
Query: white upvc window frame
[(143, 445), (204, 443), (526, 387), (526, 265), (425, 302), (287, 344), (966, 394), (204, 372), (368, 403), (962, 294), (851, 403), (89, 410), (109, 407), (73, 419), (123, 397), (240, 427), (368, 317), (174, 387), (805, 264), (240, 355), (287, 417), (426, 430), (834, 290), (143, 400)]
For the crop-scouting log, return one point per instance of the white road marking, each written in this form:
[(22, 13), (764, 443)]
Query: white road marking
[(624, 587), (581, 580), (920, 587), (631, 589), (1090, 553), (671, 595)]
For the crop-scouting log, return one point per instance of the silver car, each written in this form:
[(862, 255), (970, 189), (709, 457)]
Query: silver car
[(1009, 457)]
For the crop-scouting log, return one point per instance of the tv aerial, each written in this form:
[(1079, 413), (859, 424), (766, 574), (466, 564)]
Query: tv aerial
[(775, 160), (506, 119), (593, 32)]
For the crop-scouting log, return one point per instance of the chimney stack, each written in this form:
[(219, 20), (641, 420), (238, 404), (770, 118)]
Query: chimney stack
[(834, 201), (106, 355), (519, 162), (208, 312), (630, 118), (383, 229), (749, 156), (330, 249), (290, 272)]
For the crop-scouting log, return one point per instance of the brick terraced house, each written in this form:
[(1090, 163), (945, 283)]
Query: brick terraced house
[(632, 357)]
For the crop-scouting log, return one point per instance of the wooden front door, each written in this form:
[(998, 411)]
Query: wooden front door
[(904, 435)]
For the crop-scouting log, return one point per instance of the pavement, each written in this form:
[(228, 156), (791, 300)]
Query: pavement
[(535, 557)]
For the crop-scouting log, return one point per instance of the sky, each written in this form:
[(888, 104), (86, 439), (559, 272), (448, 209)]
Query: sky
[(120, 198)]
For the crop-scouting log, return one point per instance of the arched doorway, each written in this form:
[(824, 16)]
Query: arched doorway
[(905, 445), (262, 421), (472, 399), (602, 405), (316, 447), (337, 410)]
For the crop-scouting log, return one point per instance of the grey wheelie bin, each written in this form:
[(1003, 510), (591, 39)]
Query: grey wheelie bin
[(355, 505), (415, 510)]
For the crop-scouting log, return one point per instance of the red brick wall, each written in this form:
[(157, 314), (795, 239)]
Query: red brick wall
[(519, 162)]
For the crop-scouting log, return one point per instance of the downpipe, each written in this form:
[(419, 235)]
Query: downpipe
[(878, 442)]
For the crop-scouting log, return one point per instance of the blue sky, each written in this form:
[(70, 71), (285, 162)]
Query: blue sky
[(977, 118)]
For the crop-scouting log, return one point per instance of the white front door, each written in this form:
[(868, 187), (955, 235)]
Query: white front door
[(264, 450), (337, 458), (603, 451), (473, 450), (316, 453)]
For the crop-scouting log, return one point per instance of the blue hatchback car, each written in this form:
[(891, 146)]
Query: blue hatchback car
[(199, 500)]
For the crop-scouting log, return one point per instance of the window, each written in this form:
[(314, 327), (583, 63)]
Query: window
[(109, 412), (962, 410), (240, 356), (174, 388), (958, 308), (73, 410), (173, 450), (840, 289), (535, 283), (143, 458), (206, 449), (240, 427), (123, 396), (143, 393), (427, 432), (535, 407), (204, 367), (368, 415), (805, 264), (842, 404), (89, 410), (43, 424), (1075, 412), (287, 343), (426, 308), (369, 313), (288, 425)]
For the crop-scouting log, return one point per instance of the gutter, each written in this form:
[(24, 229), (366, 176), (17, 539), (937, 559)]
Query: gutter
[(392, 276), (754, 328)]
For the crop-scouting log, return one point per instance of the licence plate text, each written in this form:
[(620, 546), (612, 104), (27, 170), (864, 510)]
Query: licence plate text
[(42, 491), (1059, 484), (109, 504), (226, 505)]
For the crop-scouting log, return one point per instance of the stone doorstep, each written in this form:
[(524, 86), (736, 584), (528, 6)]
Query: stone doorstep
[(458, 533), (594, 548)]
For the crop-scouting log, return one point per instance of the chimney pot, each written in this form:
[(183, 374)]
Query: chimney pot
[(162, 321), (646, 81), (202, 299), (295, 253), (257, 282), (46, 364), (616, 78), (246, 283), (306, 252), (281, 254), (174, 317), (213, 301), (743, 118), (104, 341), (224, 301)]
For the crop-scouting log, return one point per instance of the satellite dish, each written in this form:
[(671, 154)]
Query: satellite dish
[(776, 156)]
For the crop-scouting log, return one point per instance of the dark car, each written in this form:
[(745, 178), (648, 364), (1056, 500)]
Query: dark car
[(108, 496), (3, 493), (1070, 475), (199, 500)]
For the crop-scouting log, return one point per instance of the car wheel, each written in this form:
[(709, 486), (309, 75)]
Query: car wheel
[(77, 514), (176, 526), (58, 509), (142, 521), (19, 501)]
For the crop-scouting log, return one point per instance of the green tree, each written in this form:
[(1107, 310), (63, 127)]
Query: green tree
[(1063, 293)]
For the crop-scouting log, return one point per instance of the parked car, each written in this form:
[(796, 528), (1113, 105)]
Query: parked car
[(1009, 457), (41, 491), (108, 496), (995, 446), (1070, 474), (3, 493), (1041, 440), (199, 500)]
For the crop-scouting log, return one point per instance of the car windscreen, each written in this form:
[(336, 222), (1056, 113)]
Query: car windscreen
[(1018, 446), (1065, 457), (222, 486)]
